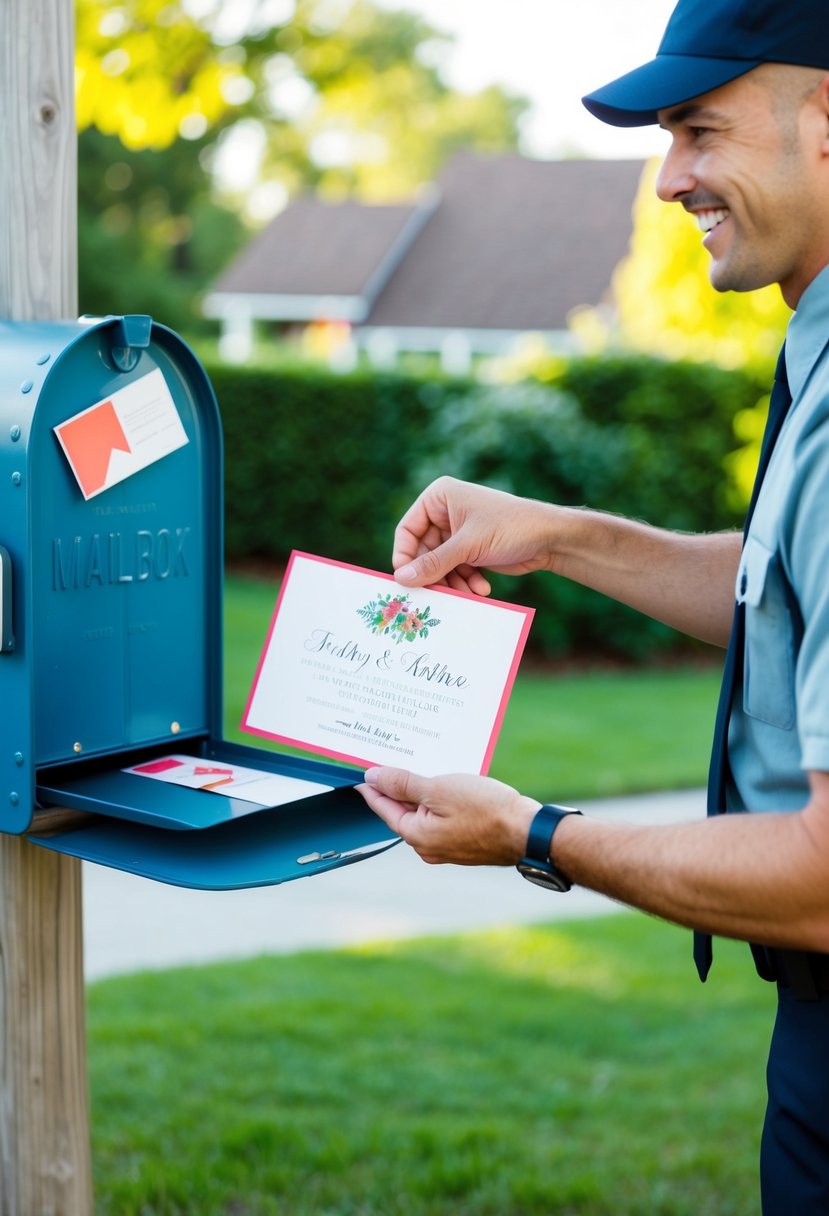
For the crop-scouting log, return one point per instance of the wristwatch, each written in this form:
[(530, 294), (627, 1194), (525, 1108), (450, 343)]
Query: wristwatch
[(536, 866)]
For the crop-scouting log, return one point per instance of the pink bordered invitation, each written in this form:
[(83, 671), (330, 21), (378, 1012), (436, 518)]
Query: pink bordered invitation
[(361, 669)]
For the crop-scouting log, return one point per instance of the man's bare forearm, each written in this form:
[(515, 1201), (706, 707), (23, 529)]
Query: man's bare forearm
[(760, 878), (686, 581)]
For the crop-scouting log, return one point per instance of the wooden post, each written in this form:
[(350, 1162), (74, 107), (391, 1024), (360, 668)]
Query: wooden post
[(45, 1167)]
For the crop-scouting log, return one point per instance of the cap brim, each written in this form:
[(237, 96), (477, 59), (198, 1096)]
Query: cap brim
[(635, 99)]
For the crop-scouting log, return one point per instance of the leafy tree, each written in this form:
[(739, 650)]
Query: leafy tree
[(148, 72), (333, 95), (379, 120), (150, 233)]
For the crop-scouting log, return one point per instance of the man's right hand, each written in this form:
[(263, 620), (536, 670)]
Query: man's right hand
[(456, 528)]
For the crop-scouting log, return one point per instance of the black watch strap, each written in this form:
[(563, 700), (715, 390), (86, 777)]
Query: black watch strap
[(542, 828)]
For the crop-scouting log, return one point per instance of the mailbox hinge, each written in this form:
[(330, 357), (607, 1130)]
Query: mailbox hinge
[(132, 335)]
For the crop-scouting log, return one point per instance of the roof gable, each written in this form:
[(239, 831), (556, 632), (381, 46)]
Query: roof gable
[(514, 244)]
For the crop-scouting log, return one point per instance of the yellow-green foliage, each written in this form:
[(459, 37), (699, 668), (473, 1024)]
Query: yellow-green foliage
[(147, 73), (665, 300)]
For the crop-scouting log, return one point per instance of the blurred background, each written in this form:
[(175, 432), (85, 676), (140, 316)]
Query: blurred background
[(397, 225)]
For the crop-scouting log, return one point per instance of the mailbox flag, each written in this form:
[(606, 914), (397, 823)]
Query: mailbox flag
[(122, 434)]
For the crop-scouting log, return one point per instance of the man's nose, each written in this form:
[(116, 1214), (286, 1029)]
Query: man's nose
[(675, 178)]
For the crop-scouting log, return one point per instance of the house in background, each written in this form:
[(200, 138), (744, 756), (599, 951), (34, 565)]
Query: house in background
[(501, 246)]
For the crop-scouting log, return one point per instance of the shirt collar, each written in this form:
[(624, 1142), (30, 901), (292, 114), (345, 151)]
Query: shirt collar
[(808, 332)]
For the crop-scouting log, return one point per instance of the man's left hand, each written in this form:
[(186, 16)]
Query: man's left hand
[(462, 819)]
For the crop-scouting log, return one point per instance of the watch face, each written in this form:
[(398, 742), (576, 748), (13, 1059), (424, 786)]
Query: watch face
[(543, 878)]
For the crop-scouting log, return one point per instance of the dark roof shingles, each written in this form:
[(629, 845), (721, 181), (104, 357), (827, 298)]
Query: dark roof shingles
[(514, 244), (315, 248)]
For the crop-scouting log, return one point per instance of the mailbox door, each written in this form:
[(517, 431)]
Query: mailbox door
[(272, 848), (244, 846)]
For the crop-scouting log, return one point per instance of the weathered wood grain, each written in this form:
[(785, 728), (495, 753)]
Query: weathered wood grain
[(45, 1167)]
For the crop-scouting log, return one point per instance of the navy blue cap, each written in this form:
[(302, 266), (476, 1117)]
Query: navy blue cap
[(706, 44)]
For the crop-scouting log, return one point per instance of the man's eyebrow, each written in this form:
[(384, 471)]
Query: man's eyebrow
[(691, 109)]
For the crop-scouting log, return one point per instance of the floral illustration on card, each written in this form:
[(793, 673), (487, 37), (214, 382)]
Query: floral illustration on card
[(394, 616)]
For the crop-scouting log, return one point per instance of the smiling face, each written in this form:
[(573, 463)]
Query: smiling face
[(750, 161)]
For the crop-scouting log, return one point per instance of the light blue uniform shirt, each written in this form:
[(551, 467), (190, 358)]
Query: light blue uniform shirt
[(780, 718)]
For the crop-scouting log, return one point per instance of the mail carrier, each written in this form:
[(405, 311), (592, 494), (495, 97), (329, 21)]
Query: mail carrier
[(111, 570)]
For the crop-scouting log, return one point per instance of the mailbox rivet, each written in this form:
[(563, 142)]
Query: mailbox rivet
[(175, 727), (44, 358), (15, 433), (27, 386), (14, 797), (77, 748), (18, 759), (17, 478)]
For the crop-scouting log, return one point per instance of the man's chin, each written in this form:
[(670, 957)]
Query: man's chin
[(727, 278), (722, 277)]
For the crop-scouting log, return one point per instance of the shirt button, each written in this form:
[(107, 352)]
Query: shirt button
[(743, 582)]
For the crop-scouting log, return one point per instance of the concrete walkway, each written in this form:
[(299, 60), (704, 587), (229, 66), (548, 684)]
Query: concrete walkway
[(131, 923)]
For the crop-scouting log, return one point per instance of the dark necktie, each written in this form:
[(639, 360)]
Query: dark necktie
[(719, 771)]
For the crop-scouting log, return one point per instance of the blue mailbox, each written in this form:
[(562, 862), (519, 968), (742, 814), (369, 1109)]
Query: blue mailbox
[(111, 631)]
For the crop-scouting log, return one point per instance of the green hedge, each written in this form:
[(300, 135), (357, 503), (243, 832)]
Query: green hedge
[(327, 463), (678, 422), (316, 461)]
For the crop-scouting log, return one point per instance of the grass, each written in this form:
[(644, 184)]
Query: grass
[(570, 1069), (575, 1069), (586, 735)]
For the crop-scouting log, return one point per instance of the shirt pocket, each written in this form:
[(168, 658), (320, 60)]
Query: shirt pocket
[(768, 678)]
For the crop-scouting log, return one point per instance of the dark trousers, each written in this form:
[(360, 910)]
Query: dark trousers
[(794, 1158)]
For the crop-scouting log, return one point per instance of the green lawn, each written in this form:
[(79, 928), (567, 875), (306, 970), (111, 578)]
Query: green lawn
[(570, 1069), (575, 1069), (574, 736)]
